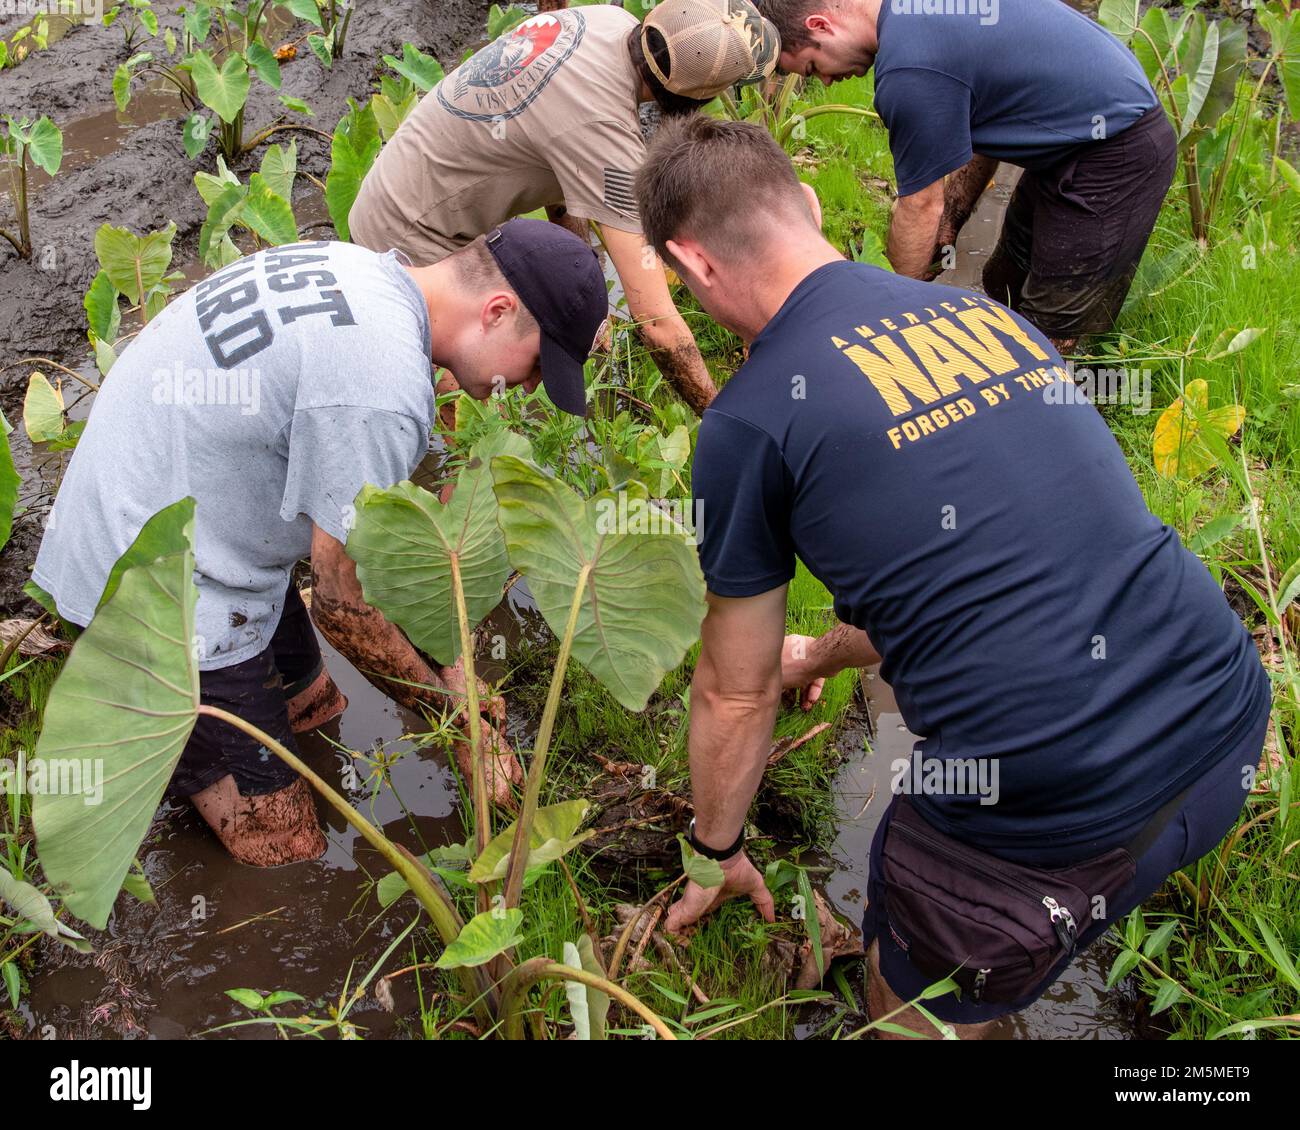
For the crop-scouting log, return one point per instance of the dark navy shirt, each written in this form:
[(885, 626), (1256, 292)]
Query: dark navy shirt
[(1027, 88), (924, 452)]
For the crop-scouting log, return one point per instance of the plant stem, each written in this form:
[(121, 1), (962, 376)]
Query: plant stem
[(514, 991), (482, 809), (261, 137), (537, 767)]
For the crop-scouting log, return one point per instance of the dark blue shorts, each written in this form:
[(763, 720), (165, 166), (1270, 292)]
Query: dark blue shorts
[(1209, 811), (258, 690)]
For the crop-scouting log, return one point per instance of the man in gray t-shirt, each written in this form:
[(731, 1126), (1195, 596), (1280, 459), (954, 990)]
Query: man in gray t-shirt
[(271, 392)]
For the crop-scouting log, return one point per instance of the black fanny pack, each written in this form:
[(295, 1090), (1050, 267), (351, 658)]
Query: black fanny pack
[(997, 928)]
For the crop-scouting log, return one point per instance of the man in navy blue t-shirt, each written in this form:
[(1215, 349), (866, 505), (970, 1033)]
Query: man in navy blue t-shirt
[(964, 84), (923, 451)]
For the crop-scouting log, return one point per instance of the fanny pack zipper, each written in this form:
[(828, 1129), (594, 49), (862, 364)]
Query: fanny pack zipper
[(1061, 919)]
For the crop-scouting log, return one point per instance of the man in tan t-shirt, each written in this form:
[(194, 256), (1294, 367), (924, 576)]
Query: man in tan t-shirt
[(548, 116)]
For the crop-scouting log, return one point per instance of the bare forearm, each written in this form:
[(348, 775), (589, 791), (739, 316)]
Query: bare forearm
[(375, 647), (913, 237), (675, 352), (960, 192), (730, 738)]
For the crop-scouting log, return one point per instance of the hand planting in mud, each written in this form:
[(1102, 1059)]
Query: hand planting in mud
[(740, 877), (500, 765)]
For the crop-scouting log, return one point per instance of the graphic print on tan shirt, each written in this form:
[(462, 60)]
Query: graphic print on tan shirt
[(546, 114)]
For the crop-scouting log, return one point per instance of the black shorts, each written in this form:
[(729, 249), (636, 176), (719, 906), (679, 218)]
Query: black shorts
[(1208, 812), (1074, 233), (258, 690)]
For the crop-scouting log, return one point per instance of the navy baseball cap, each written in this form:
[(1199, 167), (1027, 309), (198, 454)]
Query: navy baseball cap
[(558, 278)]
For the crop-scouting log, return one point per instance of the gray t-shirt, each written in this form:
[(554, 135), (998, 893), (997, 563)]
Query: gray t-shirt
[(271, 392)]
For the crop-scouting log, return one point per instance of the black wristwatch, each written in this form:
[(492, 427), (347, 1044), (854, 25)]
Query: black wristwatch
[(714, 853)]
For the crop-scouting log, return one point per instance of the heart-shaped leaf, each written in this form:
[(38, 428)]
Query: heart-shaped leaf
[(224, 90), (1178, 445), (424, 71), (123, 707), (555, 833), (102, 312), (482, 938), (268, 213), (643, 600), (279, 166), (134, 264), (404, 540), (42, 410), (45, 145)]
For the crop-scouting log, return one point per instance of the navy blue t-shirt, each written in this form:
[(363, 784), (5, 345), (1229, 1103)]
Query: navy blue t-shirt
[(1027, 88), (923, 451)]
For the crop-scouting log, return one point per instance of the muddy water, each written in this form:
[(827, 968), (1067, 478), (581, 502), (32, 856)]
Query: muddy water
[(1077, 1007), (162, 971)]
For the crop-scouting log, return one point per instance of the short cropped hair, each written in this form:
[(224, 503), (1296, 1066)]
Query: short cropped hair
[(477, 271), (788, 17), (727, 184)]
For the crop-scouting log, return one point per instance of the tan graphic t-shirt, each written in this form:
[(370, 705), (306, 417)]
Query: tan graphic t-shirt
[(546, 114)]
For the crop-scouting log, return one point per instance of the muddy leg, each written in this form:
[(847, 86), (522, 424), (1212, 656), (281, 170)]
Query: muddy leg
[(882, 1000), (266, 830), (316, 704)]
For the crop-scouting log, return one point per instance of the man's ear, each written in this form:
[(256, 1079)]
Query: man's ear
[(814, 205), (693, 262), (499, 309)]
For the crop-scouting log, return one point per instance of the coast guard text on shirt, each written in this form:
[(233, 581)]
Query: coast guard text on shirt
[(102, 1084)]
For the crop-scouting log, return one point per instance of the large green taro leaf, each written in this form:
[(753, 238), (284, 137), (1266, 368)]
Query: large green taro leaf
[(125, 703), (404, 540), (644, 598)]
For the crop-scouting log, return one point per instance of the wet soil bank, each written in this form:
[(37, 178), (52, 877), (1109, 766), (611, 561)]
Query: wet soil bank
[(131, 170)]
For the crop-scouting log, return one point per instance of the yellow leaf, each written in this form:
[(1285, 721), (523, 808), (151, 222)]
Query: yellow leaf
[(1178, 447)]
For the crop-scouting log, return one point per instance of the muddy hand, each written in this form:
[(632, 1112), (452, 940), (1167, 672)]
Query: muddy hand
[(740, 877), (797, 672)]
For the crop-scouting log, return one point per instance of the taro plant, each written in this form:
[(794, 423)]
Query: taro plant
[(35, 34), (353, 149), (331, 17), (775, 105), (417, 74), (27, 143), (220, 78), (134, 267), (625, 605), (133, 18), (262, 207), (1194, 65)]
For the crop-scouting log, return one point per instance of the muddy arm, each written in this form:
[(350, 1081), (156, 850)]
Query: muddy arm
[(662, 330), (914, 231), (369, 642), (842, 647), (960, 192)]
